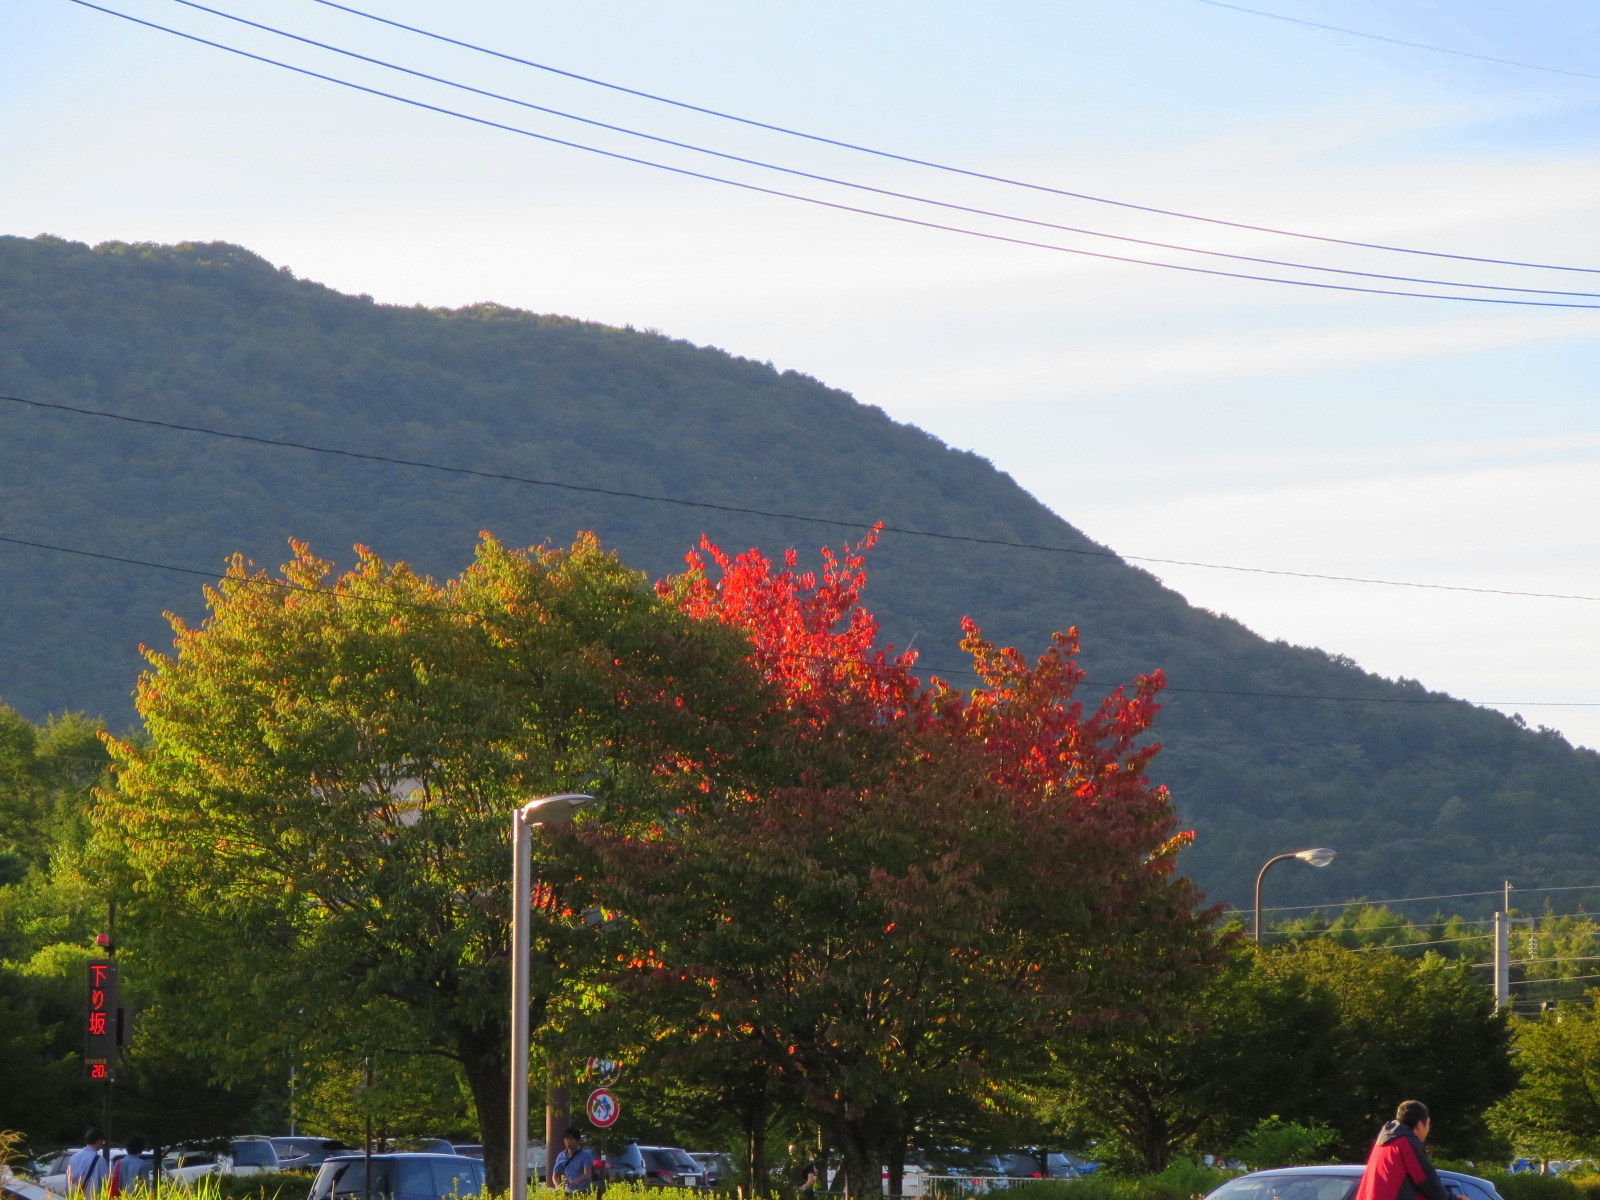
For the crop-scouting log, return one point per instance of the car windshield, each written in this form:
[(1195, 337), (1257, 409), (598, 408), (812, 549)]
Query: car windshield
[(659, 1160), (685, 1163), (1287, 1187), (254, 1154)]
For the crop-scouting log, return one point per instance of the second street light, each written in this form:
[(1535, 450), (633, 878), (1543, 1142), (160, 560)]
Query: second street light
[(1320, 857), (547, 810)]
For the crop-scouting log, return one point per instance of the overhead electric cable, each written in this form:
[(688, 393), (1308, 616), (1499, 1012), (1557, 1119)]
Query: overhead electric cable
[(1414, 945), (938, 166), (817, 201), (743, 510), (874, 190), (1394, 41), (1554, 979), (927, 668)]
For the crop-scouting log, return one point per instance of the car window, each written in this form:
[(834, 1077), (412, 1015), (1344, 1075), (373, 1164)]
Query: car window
[(1469, 1189), (1287, 1187), (658, 1160), (350, 1178), (254, 1154), (457, 1179), (685, 1163), (413, 1176)]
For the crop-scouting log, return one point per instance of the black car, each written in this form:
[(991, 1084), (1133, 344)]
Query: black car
[(1335, 1182)]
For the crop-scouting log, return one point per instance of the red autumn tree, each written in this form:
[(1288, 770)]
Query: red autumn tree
[(913, 891)]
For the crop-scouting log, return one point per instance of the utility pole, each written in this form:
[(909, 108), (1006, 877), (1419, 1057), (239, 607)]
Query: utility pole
[(1502, 960)]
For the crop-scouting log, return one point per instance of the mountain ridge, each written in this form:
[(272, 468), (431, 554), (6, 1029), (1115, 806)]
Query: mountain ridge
[(213, 334)]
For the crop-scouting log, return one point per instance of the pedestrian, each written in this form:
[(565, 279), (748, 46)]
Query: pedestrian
[(807, 1182), (574, 1166), (132, 1170), (1398, 1167), (87, 1169)]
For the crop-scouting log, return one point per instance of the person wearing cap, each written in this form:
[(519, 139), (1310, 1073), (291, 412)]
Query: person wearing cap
[(1398, 1167)]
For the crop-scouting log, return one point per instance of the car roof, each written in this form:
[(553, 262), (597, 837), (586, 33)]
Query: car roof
[(357, 1157), (1354, 1169)]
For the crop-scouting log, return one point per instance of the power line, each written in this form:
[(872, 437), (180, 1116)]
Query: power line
[(937, 166), (836, 522), (1394, 41), (1483, 937), (1556, 979), (830, 204), (863, 187)]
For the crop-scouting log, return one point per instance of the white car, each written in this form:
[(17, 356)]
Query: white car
[(244, 1156)]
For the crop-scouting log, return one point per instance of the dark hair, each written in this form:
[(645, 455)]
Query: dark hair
[(136, 1145), (572, 1132), (1412, 1113), (94, 1135)]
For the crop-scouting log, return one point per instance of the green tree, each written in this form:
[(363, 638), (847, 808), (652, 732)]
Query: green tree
[(1245, 1047), (1407, 1028), (1555, 1110), (313, 843)]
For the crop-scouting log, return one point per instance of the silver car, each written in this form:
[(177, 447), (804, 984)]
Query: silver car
[(1334, 1182)]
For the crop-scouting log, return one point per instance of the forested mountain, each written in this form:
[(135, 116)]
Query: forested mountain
[(1420, 797)]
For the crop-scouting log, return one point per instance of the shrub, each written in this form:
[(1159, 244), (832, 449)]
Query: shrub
[(1279, 1143)]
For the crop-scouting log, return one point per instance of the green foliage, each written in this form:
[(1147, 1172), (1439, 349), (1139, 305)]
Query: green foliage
[(1555, 1110), (1248, 1045), (211, 334), (1182, 1179), (1279, 1143), (1406, 1028), (1530, 1185), (313, 841)]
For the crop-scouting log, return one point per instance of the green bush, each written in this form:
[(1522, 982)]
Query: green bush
[(1279, 1143), (1182, 1180), (1587, 1184), (1527, 1185)]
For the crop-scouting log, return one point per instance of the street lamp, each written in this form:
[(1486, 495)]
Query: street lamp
[(1320, 857), (547, 810)]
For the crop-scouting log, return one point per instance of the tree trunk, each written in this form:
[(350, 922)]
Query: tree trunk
[(489, 1080), (895, 1160), (861, 1144), (754, 1119), (557, 1120)]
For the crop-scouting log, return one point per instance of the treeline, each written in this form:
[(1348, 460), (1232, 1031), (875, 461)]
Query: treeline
[(1408, 785), (820, 901)]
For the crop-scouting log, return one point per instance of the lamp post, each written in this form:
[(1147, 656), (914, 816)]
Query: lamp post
[(1320, 857), (547, 810)]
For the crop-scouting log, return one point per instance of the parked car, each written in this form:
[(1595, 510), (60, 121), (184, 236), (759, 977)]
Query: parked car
[(717, 1170), (1032, 1164), (410, 1176), (249, 1155), (1334, 1182), (947, 1172), (658, 1166), (298, 1153), (13, 1187)]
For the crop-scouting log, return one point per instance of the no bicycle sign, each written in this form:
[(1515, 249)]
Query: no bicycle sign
[(603, 1108)]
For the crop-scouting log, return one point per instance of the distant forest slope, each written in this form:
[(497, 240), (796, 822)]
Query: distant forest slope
[(1418, 798)]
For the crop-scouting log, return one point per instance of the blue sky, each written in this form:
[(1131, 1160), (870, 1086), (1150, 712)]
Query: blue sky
[(1167, 415)]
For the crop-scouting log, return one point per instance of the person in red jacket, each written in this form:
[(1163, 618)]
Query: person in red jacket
[(1398, 1167)]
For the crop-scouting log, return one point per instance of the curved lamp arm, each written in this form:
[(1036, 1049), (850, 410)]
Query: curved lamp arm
[(1319, 857)]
